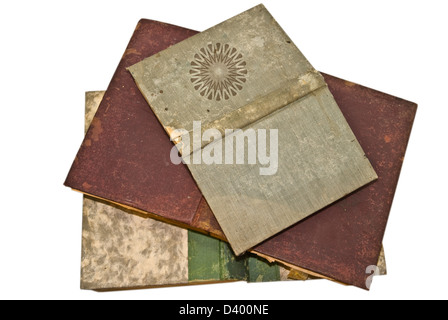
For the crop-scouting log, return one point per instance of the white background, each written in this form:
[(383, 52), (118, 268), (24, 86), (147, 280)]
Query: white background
[(52, 52)]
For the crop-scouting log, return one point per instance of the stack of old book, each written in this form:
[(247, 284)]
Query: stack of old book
[(225, 156)]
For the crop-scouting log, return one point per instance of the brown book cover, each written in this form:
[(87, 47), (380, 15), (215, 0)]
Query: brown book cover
[(125, 158)]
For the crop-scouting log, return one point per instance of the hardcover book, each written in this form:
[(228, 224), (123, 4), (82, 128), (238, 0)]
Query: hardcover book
[(240, 80), (125, 159)]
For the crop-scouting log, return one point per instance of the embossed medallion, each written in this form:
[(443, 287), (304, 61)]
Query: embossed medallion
[(218, 72)]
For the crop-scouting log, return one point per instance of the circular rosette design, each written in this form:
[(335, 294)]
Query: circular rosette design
[(218, 72)]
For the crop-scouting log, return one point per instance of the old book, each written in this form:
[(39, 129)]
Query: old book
[(245, 79), (109, 165), (122, 250)]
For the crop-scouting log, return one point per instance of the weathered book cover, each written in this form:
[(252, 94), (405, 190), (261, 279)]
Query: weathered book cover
[(125, 155), (245, 75), (110, 163), (343, 241), (121, 250)]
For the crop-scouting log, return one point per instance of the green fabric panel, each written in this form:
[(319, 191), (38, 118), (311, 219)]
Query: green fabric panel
[(203, 258), (232, 267), (262, 271)]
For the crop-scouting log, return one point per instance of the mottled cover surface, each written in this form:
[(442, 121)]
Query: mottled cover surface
[(121, 250)]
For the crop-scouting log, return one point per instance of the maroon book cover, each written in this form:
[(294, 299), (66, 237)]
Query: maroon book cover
[(125, 156), (344, 240), (125, 159)]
